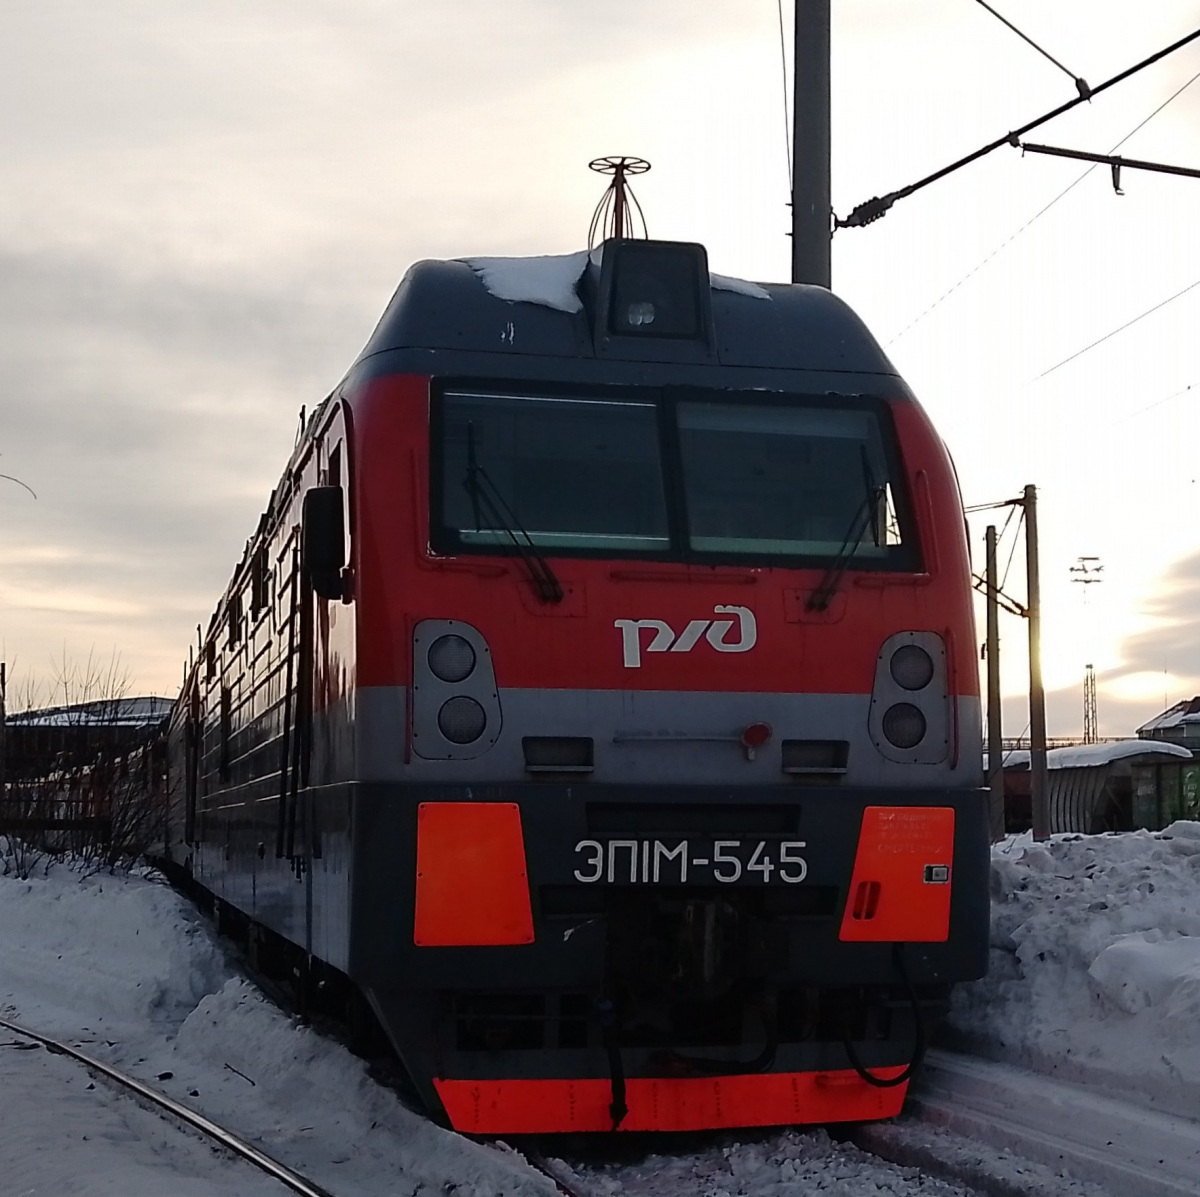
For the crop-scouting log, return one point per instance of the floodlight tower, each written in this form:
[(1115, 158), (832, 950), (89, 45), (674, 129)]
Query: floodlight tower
[(1087, 570)]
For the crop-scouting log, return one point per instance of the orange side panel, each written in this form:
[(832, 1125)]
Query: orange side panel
[(667, 1104), (472, 887), (900, 889)]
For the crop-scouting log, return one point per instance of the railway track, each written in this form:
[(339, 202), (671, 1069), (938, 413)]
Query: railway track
[(247, 1151), (976, 1127), (1128, 1149)]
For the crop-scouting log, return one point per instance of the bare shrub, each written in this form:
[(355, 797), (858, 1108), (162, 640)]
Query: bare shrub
[(87, 785)]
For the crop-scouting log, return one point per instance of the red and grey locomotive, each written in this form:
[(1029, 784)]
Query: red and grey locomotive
[(597, 697)]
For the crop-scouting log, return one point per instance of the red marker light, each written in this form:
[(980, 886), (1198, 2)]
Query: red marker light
[(755, 735)]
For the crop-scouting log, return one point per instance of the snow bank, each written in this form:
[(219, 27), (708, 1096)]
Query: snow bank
[(1095, 962), (124, 967)]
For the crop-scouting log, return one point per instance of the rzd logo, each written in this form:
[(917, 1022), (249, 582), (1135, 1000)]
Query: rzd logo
[(665, 640)]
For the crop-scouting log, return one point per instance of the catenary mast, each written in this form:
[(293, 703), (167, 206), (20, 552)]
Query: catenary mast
[(811, 201)]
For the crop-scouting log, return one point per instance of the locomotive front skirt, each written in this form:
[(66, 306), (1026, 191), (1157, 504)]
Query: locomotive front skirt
[(597, 701)]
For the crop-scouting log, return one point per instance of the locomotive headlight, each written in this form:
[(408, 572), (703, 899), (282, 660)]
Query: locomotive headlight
[(654, 289), (452, 659), (461, 720), (911, 668), (904, 725)]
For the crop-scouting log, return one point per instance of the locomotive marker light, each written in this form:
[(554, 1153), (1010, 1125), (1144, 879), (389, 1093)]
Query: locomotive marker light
[(754, 736), (451, 658), (910, 717)]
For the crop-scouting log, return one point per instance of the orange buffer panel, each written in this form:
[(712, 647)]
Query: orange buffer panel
[(472, 886), (515, 1107), (900, 888)]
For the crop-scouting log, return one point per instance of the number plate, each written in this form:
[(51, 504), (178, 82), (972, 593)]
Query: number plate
[(690, 862)]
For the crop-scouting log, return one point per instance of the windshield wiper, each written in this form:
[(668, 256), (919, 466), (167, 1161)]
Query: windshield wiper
[(865, 516), (486, 497)]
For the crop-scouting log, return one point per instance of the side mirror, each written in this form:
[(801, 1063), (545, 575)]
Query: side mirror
[(323, 541)]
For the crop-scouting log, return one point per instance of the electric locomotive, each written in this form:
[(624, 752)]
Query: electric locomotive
[(597, 697)]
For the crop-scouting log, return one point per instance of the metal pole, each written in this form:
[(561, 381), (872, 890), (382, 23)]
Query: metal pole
[(811, 201), (1038, 788), (995, 738)]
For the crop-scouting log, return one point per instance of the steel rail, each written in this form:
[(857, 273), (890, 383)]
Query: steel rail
[(1095, 1135), (262, 1161)]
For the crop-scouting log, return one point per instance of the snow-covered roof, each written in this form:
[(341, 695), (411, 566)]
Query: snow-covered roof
[(1085, 756), (144, 711), (551, 280), (1187, 711)]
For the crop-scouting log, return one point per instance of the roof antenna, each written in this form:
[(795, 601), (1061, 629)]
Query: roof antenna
[(614, 216)]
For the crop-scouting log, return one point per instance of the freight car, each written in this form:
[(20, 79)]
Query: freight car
[(597, 699)]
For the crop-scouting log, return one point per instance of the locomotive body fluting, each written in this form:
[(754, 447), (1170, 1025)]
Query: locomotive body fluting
[(598, 695)]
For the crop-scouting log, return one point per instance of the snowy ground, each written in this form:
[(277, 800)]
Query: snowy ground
[(1095, 963), (1096, 974)]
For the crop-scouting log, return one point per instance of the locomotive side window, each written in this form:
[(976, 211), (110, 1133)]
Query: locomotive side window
[(792, 481), (582, 474)]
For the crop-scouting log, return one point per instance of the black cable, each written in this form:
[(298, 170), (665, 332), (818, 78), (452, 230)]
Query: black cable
[(709, 1066), (1013, 551), (1127, 324), (1037, 216), (618, 1107), (872, 209), (919, 1043), (1080, 84)]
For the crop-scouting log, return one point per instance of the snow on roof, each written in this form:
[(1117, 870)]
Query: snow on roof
[(739, 286), (143, 711), (1085, 756), (548, 280), (551, 280), (1187, 711)]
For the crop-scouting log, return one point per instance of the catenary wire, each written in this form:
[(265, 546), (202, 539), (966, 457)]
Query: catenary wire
[(787, 122), (1013, 551), (1037, 215), (1158, 402), (1109, 335), (1076, 79), (878, 206)]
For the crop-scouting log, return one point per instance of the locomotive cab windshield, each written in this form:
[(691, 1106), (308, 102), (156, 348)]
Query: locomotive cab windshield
[(674, 473)]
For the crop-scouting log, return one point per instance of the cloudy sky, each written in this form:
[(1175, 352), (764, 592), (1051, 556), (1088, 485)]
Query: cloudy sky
[(207, 204)]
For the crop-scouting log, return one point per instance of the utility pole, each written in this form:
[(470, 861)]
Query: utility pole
[(1039, 789), (995, 738), (811, 199)]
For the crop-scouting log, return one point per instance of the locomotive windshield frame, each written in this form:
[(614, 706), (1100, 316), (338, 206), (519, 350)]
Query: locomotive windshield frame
[(692, 475)]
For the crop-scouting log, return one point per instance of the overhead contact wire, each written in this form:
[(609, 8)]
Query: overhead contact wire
[(1115, 331), (872, 209), (787, 119), (1037, 215)]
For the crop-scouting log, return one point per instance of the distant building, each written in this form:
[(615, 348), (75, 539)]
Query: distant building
[(58, 764), (1112, 786), (1168, 792)]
